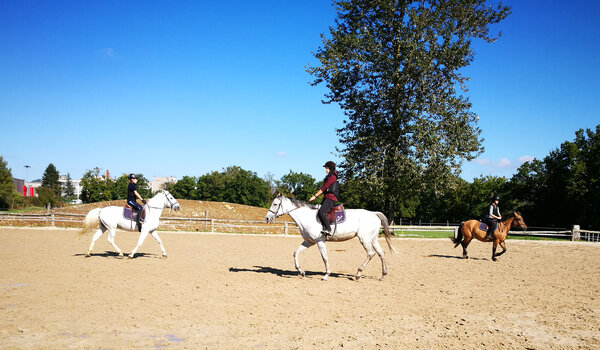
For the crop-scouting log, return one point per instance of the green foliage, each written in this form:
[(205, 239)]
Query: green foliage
[(298, 185), (119, 190), (95, 188), (562, 189), (50, 180), (393, 68), (8, 193), (186, 188), (69, 190), (47, 196)]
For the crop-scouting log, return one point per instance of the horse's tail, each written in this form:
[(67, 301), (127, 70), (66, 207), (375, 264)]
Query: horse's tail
[(459, 235), (386, 231), (91, 221)]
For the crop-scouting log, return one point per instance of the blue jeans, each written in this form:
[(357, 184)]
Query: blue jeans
[(135, 205)]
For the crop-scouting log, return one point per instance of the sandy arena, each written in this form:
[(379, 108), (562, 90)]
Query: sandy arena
[(242, 292)]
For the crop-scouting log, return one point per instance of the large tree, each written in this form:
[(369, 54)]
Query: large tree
[(50, 180), (8, 193), (393, 66)]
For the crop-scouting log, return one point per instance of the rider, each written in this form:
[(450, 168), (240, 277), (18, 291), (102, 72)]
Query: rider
[(492, 217), (331, 189), (132, 196)]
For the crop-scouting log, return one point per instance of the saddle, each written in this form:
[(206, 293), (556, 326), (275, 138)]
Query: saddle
[(130, 213), (483, 226), (336, 215)]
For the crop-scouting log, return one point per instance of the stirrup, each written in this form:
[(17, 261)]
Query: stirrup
[(326, 233)]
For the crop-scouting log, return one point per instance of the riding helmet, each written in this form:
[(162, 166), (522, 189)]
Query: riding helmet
[(132, 176), (495, 198), (330, 165)]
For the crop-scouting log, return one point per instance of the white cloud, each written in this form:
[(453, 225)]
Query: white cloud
[(525, 159), (504, 163), (109, 52), (280, 154)]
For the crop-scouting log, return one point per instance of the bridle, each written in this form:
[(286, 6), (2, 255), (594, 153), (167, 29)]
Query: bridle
[(279, 207), (168, 200)]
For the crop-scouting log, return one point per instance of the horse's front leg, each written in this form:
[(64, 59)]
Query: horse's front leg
[(503, 245), (162, 247), (143, 235), (305, 245), (494, 247), (111, 240), (323, 250)]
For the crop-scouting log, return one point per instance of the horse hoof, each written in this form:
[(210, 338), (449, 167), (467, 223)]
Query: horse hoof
[(164, 256), (129, 256), (87, 255), (324, 278), (494, 259)]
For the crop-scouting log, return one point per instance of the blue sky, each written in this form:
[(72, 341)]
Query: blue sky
[(189, 87)]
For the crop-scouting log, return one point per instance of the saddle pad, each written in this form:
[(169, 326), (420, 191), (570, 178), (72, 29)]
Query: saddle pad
[(483, 227), (129, 214), (336, 214)]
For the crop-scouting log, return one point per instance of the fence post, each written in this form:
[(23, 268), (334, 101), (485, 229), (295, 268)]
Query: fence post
[(212, 225), (52, 222), (575, 233), (285, 228)]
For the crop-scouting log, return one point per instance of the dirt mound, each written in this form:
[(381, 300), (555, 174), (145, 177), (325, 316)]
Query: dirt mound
[(189, 209)]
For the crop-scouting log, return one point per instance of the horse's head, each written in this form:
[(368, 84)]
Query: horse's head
[(170, 201), (275, 209), (518, 220)]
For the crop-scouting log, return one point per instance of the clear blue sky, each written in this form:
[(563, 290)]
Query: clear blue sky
[(189, 87)]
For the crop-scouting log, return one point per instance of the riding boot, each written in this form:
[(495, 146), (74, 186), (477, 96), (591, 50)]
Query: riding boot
[(490, 234), (326, 231), (137, 219)]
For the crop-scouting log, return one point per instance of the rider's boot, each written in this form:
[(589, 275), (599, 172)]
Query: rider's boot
[(137, 220), (489, 235), (326, 231)]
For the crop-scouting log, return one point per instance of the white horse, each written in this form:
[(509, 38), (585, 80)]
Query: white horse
[(111, 218), (359, 222)]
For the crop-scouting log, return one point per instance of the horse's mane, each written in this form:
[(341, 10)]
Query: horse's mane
[(299, 203)]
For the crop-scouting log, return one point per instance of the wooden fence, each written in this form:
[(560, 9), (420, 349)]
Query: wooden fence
[(278, 227)]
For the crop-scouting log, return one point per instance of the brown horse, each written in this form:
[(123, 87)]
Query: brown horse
[(469, 229)]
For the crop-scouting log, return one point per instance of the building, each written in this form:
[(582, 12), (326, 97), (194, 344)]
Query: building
[(62, 179), (158, 182)]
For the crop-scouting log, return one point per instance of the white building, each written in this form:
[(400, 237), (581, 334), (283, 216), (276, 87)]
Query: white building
[(62, 179), (158, 182)]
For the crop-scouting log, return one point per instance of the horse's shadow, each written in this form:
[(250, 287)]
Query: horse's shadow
[(452, 257), (112, 254), (287, 273)]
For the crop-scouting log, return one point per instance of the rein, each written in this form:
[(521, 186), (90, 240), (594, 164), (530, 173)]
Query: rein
[(282, 213), (168, 200)]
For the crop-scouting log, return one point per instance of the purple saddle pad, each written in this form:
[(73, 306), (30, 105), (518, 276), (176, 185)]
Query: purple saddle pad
[(336, 214), (483, 227), (128, 213)]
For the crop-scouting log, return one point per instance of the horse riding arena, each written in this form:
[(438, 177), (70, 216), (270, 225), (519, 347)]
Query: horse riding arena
[(233, 291)]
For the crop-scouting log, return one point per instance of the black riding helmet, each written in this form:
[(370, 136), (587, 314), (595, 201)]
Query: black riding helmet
[(132, 176), (495, 198), (330, 165)]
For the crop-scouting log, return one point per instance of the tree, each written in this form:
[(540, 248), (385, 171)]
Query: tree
[(95, 188), (120, 187), (50, 180), (8, 193), (298, 185), (184, 188), (393, 67), (69, 190)]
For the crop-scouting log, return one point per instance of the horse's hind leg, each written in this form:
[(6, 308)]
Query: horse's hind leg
[(381, 254), (143, 236), (370, 253), (97, 235), (465, 244), (305, 245), (323, 250)]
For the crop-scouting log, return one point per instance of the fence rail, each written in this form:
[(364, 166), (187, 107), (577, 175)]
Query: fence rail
[(284, 227)]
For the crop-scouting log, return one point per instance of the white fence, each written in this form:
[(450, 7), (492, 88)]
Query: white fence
[(252, 226)]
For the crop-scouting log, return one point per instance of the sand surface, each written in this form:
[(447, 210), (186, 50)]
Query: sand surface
[(242, 292)]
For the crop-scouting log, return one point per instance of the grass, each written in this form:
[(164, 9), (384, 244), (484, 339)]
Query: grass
[(26, 210), (450, 234)]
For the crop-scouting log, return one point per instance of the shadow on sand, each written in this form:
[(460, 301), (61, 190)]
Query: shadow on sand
[(287, 273)]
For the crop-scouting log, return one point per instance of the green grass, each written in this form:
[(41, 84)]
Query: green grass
[(26, 210), (450, 234)]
